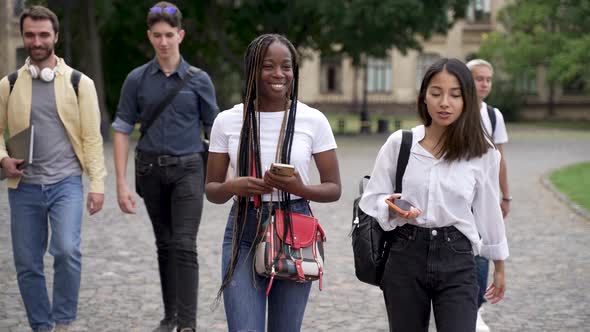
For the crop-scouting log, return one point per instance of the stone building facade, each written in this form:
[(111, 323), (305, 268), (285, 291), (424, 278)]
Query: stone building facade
[(333, 85), (12, 54)]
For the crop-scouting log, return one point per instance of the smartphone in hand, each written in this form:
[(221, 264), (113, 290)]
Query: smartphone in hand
[(282, 169), (400, 206)]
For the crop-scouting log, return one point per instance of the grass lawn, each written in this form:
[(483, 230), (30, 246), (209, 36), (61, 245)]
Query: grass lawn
[(574, 181)]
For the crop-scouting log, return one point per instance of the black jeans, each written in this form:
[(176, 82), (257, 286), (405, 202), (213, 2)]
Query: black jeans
[(430, 266), (172, 190)]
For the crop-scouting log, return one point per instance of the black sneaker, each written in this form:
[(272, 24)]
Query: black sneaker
[(166, 325)]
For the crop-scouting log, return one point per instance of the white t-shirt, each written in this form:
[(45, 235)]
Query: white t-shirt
[(313, 134), (461, 193), (500, 134)]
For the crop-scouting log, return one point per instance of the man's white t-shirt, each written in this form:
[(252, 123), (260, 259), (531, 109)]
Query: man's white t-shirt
[(313, 134), (500, 134)]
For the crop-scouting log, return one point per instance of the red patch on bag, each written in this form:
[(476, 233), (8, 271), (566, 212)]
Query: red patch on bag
[(305, 229)]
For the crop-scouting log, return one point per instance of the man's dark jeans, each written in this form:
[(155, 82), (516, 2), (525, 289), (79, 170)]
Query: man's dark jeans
[(172, 189), (430, 266)]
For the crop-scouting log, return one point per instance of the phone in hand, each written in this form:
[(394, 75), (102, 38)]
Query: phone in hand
[(400, 206), (282, 169)]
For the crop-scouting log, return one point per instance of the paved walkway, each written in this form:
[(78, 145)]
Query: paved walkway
[(548, 273)]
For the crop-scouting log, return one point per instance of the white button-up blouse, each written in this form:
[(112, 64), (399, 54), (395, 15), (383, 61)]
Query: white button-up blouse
[(464, 194)]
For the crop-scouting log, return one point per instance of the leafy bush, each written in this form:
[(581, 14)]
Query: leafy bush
[(507, 99)]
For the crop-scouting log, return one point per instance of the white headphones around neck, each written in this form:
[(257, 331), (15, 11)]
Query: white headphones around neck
[(45, 74)]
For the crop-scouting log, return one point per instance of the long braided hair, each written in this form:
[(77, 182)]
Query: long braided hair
[(249, 162)]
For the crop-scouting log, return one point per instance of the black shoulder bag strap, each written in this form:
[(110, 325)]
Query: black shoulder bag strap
[(402, 163), (192, 71), (402, 159), (11, 80), (492, 116), (75, 80)]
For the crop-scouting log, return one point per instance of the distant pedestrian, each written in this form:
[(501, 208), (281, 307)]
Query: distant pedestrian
[(271, 125), (169, 168), (62, 106), (451, 180), (493, 122)]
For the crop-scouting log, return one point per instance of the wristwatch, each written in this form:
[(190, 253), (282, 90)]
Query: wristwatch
[(507, 199)]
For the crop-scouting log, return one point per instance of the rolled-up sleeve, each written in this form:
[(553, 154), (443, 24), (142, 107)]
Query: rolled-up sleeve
[(127, 110), (487, 212)]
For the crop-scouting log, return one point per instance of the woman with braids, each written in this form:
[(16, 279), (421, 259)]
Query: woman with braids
[(271, 125), (451, 181)]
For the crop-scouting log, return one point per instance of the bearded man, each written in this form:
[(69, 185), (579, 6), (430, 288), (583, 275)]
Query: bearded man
[(61, 105)]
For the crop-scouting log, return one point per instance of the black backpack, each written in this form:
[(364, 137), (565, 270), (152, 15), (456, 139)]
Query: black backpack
[(370, 243), (74, 79), (492, 116)]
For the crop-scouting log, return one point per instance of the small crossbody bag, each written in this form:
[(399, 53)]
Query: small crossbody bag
[(289, 245)]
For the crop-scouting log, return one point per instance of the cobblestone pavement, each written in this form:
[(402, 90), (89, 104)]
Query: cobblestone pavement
[(548, 272)]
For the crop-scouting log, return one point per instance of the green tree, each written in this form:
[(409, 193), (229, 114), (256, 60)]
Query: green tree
[(371, 28), (549, 34), (218, 32)]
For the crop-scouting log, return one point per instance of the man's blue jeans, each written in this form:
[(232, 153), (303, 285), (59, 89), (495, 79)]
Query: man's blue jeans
[(32, 209), (482, 266), (245, 299)]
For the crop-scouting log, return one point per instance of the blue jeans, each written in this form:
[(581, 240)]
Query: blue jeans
[(245, 299), (430, 266), (33, 208), (482, 265)]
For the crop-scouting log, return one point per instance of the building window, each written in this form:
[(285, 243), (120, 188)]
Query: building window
[(527, 84), (424, 62), (378, 75), (19, 6), (331, 74), (575, 87), (479, 11)]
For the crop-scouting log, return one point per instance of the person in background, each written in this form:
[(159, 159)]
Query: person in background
[(493, 123), (169, 167)]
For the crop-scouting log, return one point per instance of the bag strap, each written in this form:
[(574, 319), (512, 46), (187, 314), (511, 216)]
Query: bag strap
[(11, 80), (75, 80), (402, 159), (192, 71), (492, 116), (363, 183)]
